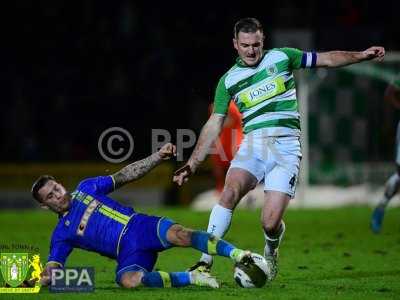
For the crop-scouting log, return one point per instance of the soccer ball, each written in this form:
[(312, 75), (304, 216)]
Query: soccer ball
[(253, 275)]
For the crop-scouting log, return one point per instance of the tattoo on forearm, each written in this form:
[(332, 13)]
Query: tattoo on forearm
[(136, 170)]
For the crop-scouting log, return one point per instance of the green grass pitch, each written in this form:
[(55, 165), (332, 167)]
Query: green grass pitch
[(325, 254)]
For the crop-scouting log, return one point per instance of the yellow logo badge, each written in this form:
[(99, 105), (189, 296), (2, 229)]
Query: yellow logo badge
[(15, 269), (265, 90)]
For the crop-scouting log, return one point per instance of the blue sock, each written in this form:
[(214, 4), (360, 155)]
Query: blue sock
[(180, 279), (207, 243), (163, 279)]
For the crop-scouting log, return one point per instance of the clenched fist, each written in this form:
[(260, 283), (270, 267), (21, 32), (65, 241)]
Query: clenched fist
[(167, 151), (374, 52)]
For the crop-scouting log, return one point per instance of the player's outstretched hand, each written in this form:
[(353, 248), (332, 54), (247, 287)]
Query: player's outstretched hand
[(375, 52), (167, 151), (28, 283), (182, 175)]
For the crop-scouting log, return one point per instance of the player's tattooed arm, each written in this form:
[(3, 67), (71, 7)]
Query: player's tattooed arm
[(139, 168), (136, 170), (344, 58)]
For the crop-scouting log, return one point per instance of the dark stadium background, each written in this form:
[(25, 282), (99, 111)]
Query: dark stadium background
[(71, 69)]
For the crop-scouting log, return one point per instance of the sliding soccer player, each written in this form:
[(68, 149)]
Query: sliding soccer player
[(91, 220)]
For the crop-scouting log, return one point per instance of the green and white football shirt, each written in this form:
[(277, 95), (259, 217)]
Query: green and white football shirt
[(266, 93)]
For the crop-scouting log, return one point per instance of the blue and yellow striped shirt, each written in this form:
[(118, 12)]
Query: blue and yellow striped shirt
[(94, 222)]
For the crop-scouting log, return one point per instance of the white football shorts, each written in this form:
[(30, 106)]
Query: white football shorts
[(274, 160)]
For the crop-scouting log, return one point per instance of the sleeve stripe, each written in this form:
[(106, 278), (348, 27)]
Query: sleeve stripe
[(314, 59), (308, 60), (303, 60)]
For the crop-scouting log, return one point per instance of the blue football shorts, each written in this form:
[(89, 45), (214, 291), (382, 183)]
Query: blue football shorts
[(144, 237)]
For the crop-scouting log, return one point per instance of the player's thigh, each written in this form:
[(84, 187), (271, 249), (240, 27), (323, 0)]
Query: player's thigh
[(146, 233), (134, 261), (238, 183), (246, 168), (244, 179), (245, 171)]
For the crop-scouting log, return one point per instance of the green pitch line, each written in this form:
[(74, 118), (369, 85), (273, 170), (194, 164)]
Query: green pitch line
[(325, 254)]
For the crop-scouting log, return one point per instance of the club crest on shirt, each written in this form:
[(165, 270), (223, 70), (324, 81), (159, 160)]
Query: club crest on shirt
[(272, 70)]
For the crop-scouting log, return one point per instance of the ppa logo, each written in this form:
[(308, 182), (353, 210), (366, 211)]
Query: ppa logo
[(76, 280)]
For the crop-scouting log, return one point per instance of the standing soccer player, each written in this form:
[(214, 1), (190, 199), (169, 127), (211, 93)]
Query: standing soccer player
[(89, 219), (262, 85), (392, 95)]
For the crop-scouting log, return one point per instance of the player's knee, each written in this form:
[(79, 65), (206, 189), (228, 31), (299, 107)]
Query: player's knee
[(230, 195), (131, 279), (236, 186), (179, 236)]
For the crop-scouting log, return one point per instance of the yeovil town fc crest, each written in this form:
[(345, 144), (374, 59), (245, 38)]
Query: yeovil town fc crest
[(272, 70), (14, 270)]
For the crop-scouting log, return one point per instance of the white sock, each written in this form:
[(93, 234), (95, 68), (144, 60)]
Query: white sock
[(218, 225), (272, 243), (392, 186)]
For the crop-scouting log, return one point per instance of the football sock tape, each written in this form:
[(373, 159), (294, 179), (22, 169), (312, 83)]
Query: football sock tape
[(207, 243), (164, 280)]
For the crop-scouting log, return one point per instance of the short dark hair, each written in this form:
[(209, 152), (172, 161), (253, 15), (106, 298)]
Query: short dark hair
[(247, 25), (38, 184)]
